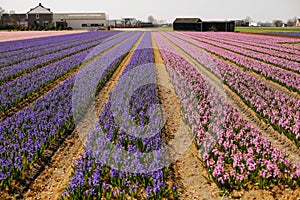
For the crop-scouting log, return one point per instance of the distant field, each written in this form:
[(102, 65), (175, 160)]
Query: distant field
[(266, 29)]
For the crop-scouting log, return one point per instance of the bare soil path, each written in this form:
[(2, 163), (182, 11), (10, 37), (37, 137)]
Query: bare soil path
[(188, 171)]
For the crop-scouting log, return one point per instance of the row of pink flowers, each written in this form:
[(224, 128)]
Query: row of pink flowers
[(270, 59), (239, 155), (248, 45), (272, 105), (269, 42), (281, 76)]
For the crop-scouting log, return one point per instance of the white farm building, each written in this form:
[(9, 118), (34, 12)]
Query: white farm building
[(80, 20), (42, 17), (298, 22)]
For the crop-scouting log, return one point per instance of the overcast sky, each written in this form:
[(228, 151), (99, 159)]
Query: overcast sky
[(258, 10)]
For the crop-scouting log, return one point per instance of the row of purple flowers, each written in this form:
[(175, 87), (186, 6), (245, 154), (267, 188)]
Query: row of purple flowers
[(15, 57), (7, 73), (19, 46), (113, 165), (16, 90), (25, 135)]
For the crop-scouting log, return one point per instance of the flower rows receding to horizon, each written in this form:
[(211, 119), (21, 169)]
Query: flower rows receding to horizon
[(222, 38), (293, 34), (113, 165), (14, 57), (25, 135), (272, 105), (280, 61), (284, 77), (269, 42), (16, 90), (26, 66), (27, 45), (241, 156)]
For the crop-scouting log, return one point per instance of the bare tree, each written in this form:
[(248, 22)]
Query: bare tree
[(243, 22), (292, 22), (151, 19), (1, 11), (12, 12), (248, 19), (278, 23), (162, 21)]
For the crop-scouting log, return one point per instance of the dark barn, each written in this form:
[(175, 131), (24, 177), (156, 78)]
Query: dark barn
[(187, 24), (196, 24), (226, 26)]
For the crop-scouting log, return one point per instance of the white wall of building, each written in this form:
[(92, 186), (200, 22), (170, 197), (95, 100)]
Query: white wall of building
[(78, 21), (253, 24), (298, 22)]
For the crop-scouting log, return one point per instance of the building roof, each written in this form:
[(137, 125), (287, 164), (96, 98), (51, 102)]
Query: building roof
[(74, 16), (187, 20), (218, 21), (40, 9)]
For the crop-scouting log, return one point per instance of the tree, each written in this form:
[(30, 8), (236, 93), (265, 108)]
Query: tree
[(2, 11), (162, 21), (151, 19), (247, 20), (278, 23), (292, 22), (243, 22), (51, 26)]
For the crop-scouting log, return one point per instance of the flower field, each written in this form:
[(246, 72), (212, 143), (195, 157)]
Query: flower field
[(236, 116)]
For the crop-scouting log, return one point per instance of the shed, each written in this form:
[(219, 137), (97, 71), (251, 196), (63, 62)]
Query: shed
[(220, 26), (187, 24), (196, 24)]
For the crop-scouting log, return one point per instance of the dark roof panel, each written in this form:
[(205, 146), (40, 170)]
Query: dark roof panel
[(187, 20), (218, 21)]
